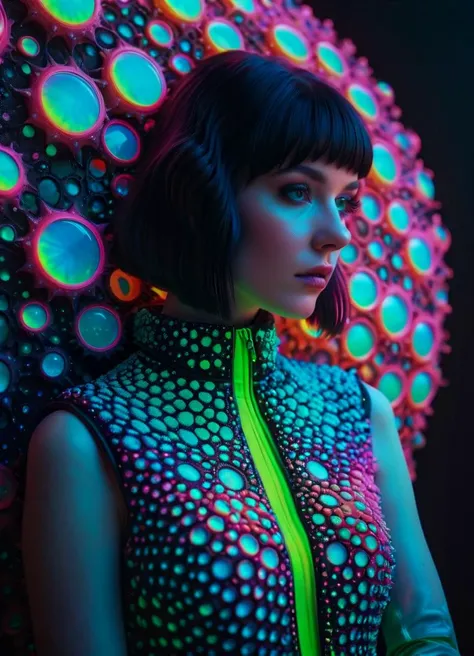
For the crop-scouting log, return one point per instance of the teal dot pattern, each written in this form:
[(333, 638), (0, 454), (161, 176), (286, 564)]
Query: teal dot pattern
[(205, 567)]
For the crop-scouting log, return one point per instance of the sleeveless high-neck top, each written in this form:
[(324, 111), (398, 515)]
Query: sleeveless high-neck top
[(254, 519)]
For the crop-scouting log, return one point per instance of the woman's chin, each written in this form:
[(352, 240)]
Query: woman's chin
[(296, 309)]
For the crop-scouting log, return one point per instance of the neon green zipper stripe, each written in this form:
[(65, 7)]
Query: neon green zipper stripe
[(269, 467)]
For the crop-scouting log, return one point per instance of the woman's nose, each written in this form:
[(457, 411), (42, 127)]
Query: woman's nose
[(332, 234)]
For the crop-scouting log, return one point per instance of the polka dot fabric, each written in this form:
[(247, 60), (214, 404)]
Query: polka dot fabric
[(205, 566)]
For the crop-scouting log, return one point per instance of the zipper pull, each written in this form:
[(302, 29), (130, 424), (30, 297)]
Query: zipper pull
[(251, 348)]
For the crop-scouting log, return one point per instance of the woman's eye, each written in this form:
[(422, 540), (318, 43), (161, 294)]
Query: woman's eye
[(347, 205), (296, 193)]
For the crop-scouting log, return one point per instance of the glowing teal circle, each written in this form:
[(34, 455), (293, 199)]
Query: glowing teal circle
[(34, 316), (371, 207), (384, 164), (73, 13), (137, 79), (4, 329), (398, 217), (71, 103), (69, 253), (423, 339), (363, 101), (360, 340), (98, 328), (349, 254), (330, 58), (363, 290), (420, 255), (421, 387), (426, 185), (394, 314), (9, 172), (5, 377), (376, 250), (53, 365), (121, 142)]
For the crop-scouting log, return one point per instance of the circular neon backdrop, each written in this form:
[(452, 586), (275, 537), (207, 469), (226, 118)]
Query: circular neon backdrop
[(331, 59), (385, 167), (70, 102), (364, 290), (69, 252), (221, 35), (288, 41), (186, 11), (395, 315), (121, 142), (35, 317), (136, 79), (11, 173), (71, 13), (98, 328)]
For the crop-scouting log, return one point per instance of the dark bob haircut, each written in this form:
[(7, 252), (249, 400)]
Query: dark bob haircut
[(235, 117)]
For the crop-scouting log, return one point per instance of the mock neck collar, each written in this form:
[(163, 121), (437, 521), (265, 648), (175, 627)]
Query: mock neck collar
[(203, 350)]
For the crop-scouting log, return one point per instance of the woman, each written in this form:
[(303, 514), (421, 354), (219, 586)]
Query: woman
[(210, 496)]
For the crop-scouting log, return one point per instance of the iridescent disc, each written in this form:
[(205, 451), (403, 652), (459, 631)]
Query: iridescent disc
[(71, 103), (53, 364), (384, 167), (395, 315), (421, 388), (187, 11), (98, 328), (137, 79), (419, 255), (221, 35), (391, 384), (291, 43), (350, 254), (363, 100), (244, 6), (69, 253), (398, 217), (28, 46), (5, 377), (10, 173), (181, 64), (331, 59), (376, 250), (73, 13), (425, 185), (423, 340), (121, 142), (371, 207), (360, 340), (363, 289), (7, 233), (160, 33), (34, 316), (385, 90)]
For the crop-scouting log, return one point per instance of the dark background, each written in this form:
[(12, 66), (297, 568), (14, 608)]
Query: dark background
[(426, 53)]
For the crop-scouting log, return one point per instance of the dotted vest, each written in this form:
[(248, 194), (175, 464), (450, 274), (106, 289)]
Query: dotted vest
[(254, 520)]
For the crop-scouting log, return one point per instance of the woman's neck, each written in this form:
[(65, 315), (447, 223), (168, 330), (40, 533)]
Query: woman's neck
[(173, 307)]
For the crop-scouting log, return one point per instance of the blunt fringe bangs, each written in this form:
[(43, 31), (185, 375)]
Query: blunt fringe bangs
[(235, 117)]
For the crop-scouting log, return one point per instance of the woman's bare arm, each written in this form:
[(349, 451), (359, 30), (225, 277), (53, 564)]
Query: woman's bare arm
[(71, 543)]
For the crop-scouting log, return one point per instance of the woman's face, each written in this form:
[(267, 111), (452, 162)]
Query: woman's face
[(292, 220)]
